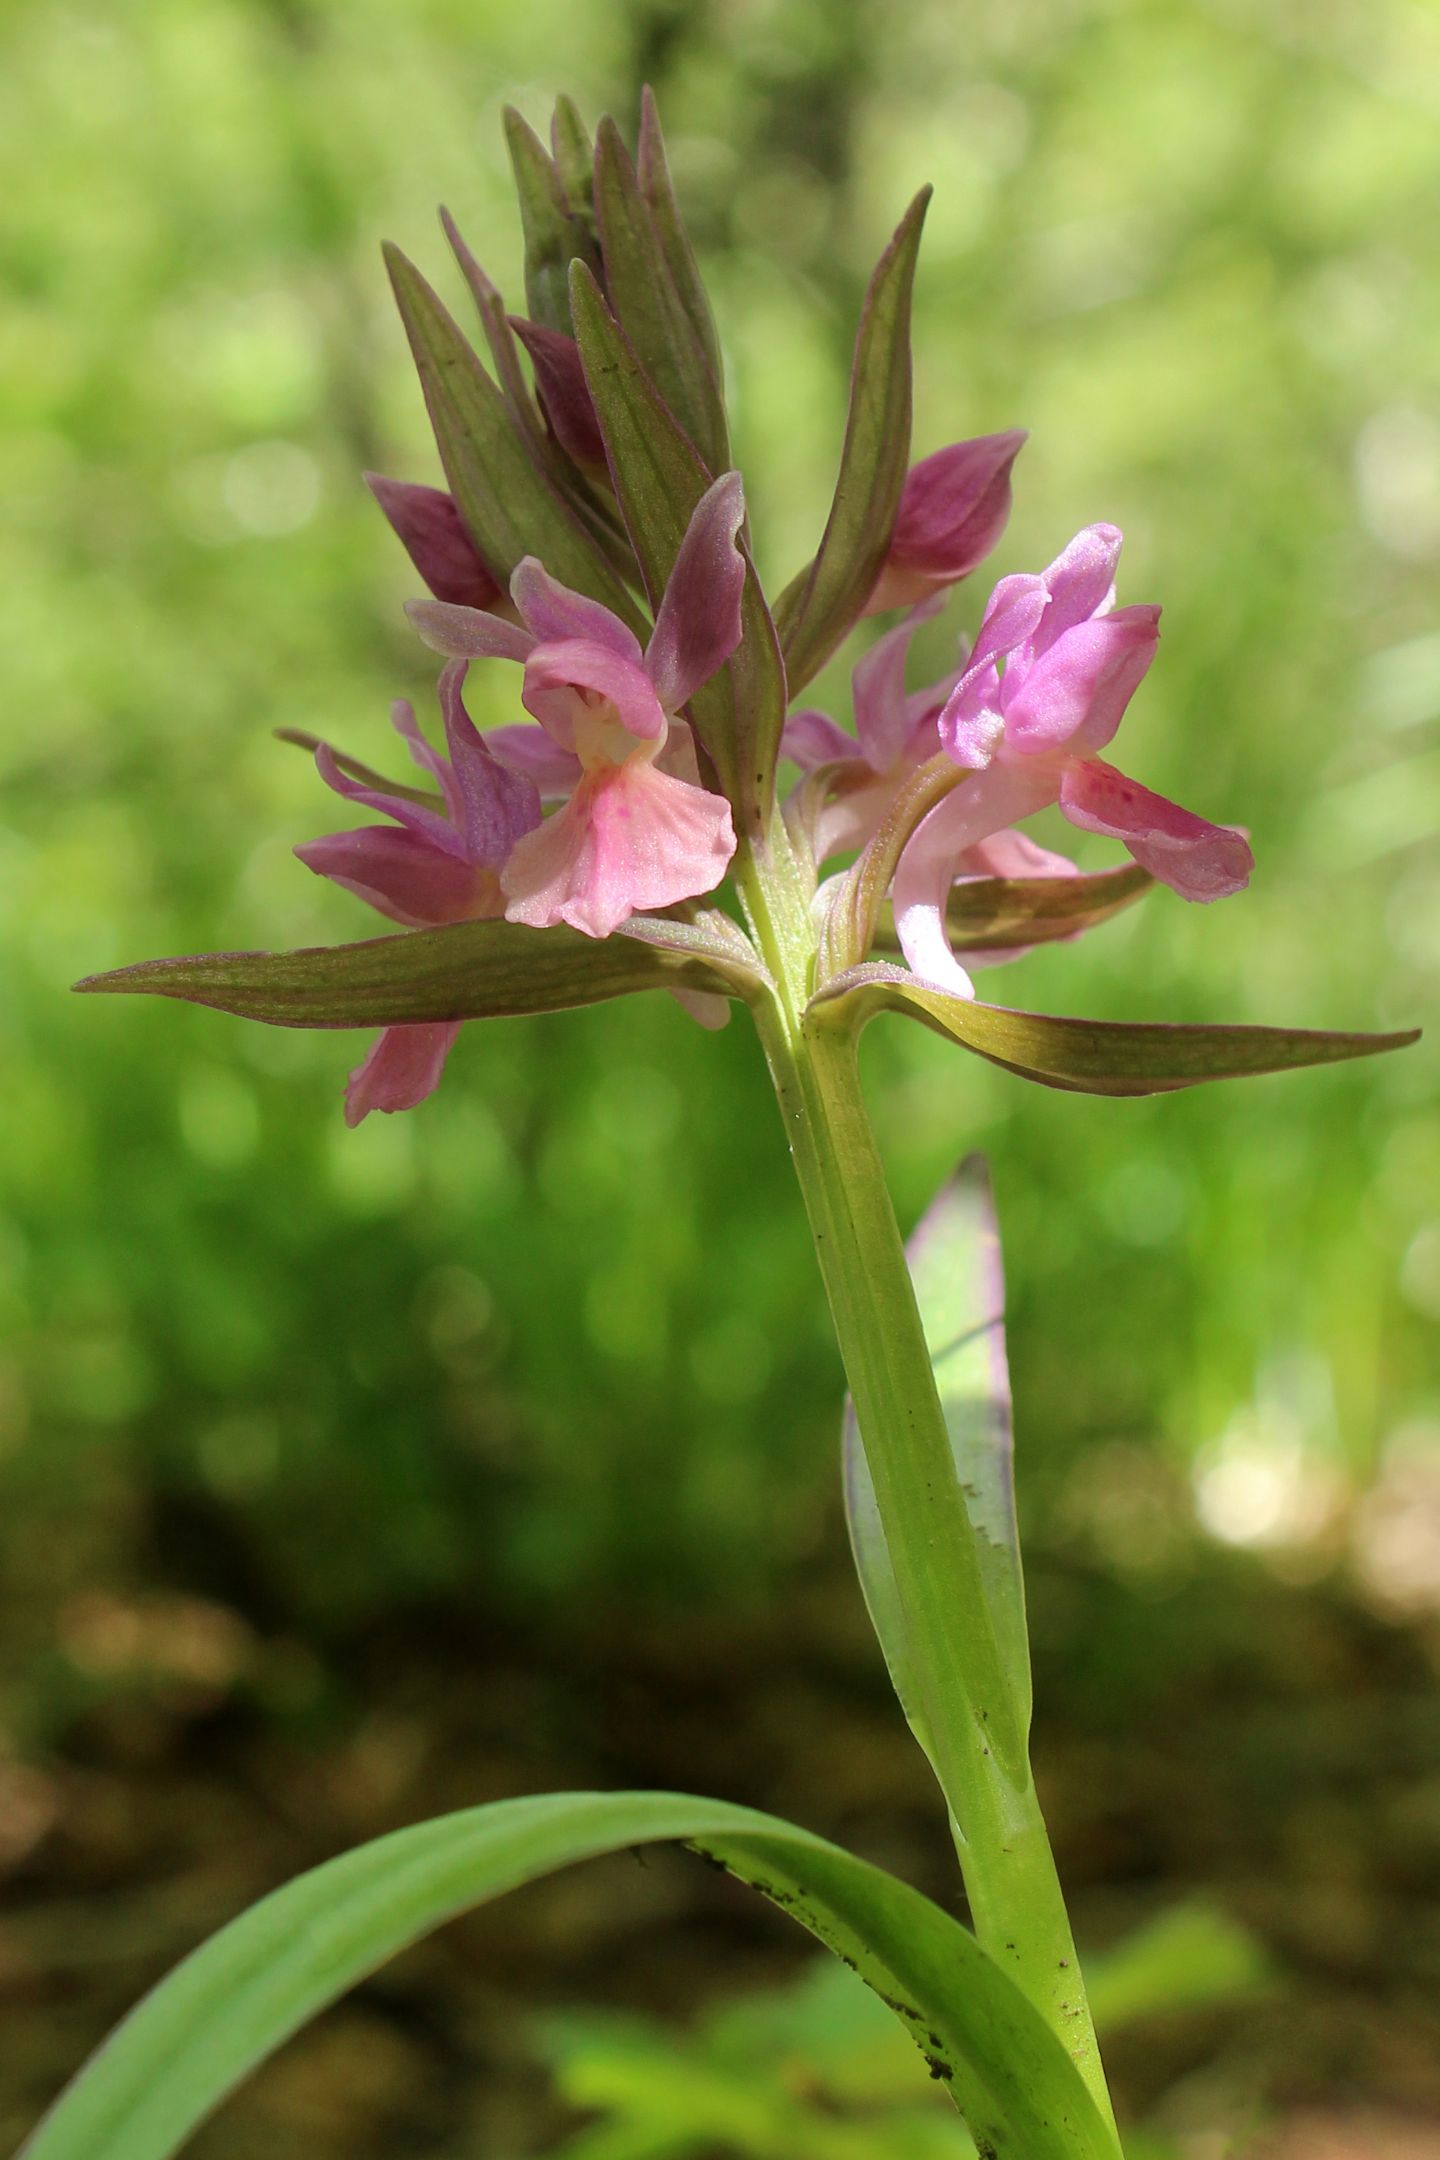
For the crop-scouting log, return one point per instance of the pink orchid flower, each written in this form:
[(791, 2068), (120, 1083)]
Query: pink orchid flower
[(1027, 731), (431, 866), (637, 829), (895, 730), (429, 527), (953, 509)]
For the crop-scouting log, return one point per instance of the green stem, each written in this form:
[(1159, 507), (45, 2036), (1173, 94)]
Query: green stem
[(965, 1714)]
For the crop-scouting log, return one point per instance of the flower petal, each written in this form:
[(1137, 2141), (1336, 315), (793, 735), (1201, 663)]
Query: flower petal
[(697, 626), (403, 876), (557, 615), (493, 805), (1196, 859), (1075, 694), (422, 752), (560, 380), (556, 671), (1011, 854), (954, 506), (854, 812), (812, 738), (937, 853), (430, 529), (466, 633), (402, 1069), (534, 753), (631, 837), (878, 689), (1079, 582), (417, 818), (970, 725)]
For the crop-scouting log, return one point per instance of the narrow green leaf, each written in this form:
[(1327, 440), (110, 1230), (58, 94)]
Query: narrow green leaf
[(652, 170), (554, 235), (1093, 1057), (645, 302), (509, 507), (659, 478), (465, 971), (955, 1265), (819, 606), (574, 156), (235, 2000), (993, 914)]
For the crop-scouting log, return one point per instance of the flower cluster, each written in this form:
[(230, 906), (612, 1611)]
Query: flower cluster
[(593, 535), (635, 829)]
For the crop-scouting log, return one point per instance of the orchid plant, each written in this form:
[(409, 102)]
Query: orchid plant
[(633, 834)]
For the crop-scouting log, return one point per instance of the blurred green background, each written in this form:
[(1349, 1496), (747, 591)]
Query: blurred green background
[(402, 1448)]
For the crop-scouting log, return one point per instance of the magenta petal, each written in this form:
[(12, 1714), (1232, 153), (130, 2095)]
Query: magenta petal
[(882, 720), (493, 805), (631, 837), (1079, 581), (418, 818), (405, 724), (1011, 854), (555, 671), (402, 876), (560, 379), (553, 613), (534, 753), (698, 623), (1012, 614), (402, 1069), (429, 527), (1196, 859), (464, 633), (954, 506), (1076, 693), (812, 739), (970, 724)]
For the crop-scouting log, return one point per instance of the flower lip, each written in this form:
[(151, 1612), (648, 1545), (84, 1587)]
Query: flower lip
[(575, 680)]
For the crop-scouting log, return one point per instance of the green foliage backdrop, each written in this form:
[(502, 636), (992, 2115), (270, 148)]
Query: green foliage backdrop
[(558, 1333)]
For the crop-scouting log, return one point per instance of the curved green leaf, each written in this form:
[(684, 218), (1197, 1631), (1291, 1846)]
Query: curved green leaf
[(509, 506), (1093, 1057), (819, 606), (955, 1265), (236, 1999), (465, 971), (659, 477)]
